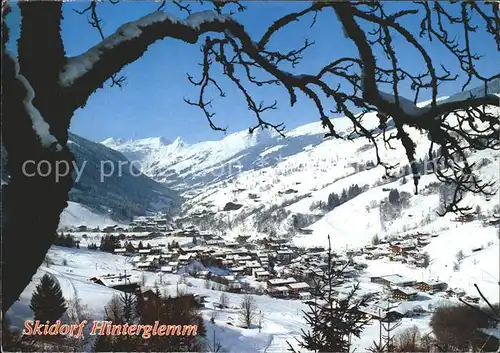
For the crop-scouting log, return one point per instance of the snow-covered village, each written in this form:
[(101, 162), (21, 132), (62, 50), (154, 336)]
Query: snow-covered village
[(220, 177)]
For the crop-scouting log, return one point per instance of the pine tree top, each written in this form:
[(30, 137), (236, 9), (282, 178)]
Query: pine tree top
[(47, 301)]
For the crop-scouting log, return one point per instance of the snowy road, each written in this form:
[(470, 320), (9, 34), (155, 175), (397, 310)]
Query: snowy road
[(279, 343)]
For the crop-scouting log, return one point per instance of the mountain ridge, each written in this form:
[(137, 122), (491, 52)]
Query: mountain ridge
[(187, 167), (121, 194)]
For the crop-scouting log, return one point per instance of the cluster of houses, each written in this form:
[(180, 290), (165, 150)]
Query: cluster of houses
[(239, 261), (282, 270), (402, 291), (403, 288), (160, 223), (288, 288), (405, 249)]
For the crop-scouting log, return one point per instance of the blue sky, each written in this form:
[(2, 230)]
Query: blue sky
[(151, 103)]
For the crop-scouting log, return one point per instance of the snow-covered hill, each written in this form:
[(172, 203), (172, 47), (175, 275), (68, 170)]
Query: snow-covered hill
[(111, 184), (275, 184), (77, 214), (108, 188)]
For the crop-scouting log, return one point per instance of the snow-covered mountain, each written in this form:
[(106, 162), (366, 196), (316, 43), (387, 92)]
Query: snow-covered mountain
[(111, 185), (190, 167), (183, 166), (137, 149), (263, 183), (108, 188)]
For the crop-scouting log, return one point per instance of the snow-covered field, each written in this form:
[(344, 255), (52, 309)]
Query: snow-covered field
[(76, 214)]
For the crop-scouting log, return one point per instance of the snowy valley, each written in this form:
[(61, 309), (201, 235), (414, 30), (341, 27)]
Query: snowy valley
[(262, 207), (251, 177)]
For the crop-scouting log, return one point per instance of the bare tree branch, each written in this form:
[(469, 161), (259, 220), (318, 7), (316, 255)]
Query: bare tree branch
[(96, 22)]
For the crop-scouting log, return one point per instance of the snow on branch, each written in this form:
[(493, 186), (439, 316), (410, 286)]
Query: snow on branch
[(78, 66), (40, 126), (195, 20)]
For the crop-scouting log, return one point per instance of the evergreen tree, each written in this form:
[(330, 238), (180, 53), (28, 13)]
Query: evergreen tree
[(129, 304), (344, 195), (115, 242), (333, 320), (333, 201), (129, 247), (141, 245), (109, 243), (394, 197), (65, 240), (47, 301), (104, 244), (69, 241)]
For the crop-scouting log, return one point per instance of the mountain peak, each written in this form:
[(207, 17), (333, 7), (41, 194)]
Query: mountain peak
[(152, 142), (178, 142), (113, 141)]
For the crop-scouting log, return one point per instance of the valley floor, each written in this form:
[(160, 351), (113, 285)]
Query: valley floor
[(281, 320)]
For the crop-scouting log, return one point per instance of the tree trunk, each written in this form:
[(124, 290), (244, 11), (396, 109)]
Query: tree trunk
[(34, 199)]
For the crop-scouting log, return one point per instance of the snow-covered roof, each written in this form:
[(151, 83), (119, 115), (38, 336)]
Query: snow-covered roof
[(113, 281), (143, 264), (298, 285), (434, 282), (281, 289), (278, 281), (262, 273), (243, 258), (396, 279), (372, 310), (407, 290)]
